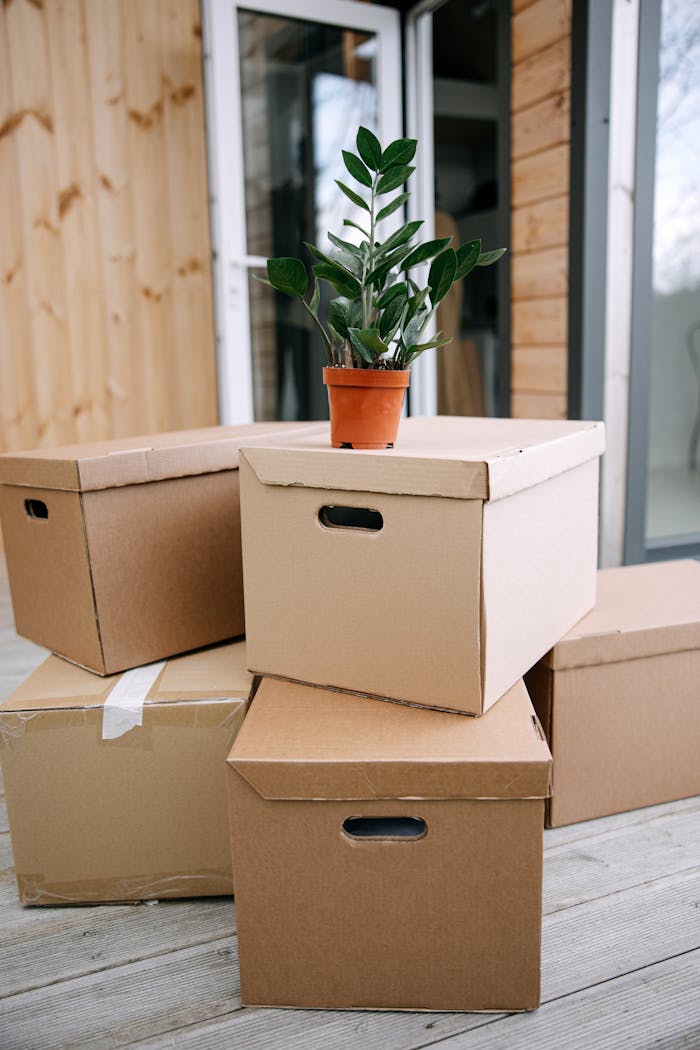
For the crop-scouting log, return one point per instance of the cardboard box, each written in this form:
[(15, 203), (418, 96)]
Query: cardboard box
[(436, 573), (446, 919), (619, 695), (137, 817), (124, 552)]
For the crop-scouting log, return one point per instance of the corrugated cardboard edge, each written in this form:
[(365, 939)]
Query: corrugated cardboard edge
[(621, 646)]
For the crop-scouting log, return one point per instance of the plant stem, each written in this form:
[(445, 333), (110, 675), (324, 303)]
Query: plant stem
[(326, 340), (367, 292)]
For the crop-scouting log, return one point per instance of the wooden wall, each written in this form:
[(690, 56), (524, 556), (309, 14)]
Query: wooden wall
[(105, 264), (540, 135)]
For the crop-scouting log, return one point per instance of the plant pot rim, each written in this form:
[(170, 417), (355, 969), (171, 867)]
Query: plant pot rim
[(334, 375)]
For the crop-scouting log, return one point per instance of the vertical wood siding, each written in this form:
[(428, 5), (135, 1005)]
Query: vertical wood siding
[(540, 136), (105, 280)]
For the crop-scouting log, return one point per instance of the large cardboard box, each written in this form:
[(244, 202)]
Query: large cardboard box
[(436, 573), (619, 695), (123, 552), (386, 856), (136, 817)]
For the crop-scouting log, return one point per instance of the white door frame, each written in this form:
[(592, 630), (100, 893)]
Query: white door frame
[(226, 170)]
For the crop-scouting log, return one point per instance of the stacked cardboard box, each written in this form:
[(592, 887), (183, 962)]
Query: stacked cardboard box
[(388, 855)]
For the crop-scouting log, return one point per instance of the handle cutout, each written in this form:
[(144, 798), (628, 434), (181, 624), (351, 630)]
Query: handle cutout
[(357, 518), (36, 508), (405, 828)]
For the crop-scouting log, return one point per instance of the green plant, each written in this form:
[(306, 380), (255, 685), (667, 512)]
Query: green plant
[(380, 313)]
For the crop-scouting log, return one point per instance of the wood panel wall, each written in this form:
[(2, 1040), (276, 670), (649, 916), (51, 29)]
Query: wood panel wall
[(540, 137), (105, 261)]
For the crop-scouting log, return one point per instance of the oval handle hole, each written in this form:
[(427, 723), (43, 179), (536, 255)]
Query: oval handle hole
[(36, 508), (351, 518), (385, 827)]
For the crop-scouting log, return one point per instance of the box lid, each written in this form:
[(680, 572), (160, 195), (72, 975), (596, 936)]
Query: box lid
[(216, 673), (131, 461), (641, 610), (449, 456), (300, 742)]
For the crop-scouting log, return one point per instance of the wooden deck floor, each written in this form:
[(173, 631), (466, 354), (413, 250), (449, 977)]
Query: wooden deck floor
[(621, 954)]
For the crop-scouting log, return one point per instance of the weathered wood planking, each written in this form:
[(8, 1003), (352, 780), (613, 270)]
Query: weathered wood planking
[(105, 284), (540, 135)]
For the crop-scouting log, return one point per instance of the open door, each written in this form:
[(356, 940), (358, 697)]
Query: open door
[(284, 96)]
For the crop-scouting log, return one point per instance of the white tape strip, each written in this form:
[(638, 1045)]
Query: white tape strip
[(123, 708)]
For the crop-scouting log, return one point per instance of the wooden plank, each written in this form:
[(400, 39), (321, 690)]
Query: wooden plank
[(126, 355), (591, 829), (539, 322), (539, 369), (613, 937), (59, 947), (659, 1008), (538, 406), (535, 227), (540, 176), (544, 74), (32, 125), (17, 415), (539, 26), (77, 216), (541, 126), (540, 274), (193, 312)]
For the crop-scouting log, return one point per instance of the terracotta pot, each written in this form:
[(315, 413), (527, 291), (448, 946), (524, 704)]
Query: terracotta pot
[(365, 405)]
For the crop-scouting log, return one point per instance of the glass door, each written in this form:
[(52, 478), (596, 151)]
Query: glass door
[(284, 96)]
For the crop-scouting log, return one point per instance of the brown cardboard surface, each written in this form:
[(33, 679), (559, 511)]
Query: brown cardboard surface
[(135, 460), (142, 563), (642, 610), (625, 731), (456, 457), (447, 921), (457, 594), (139, 817)]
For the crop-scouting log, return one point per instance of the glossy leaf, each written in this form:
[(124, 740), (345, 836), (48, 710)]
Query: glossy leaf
[(370, 339), (369, 148), (346, 246), (322, 257), (401, 236), (390, 317), (382, 269), (357, 168), (394, 292), (349, 222), (402, 151), (487, 258), (343, 282), (351, 195), (357, 345), (340, 316), (426, 251), (442, 274), (315, 299), (288, 276), (395, 176), (467, 256), (389, 209)]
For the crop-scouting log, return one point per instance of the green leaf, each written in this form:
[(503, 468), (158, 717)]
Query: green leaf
[(288, 276), (369, 148), (394, 177), (442, 274), (389, 209), (369, 340), (322, 257), (357, 168), (487, 258), (402, 151), (417, 349), (360, 348), (343, 282), (394, 292), (315, 299), (467, 256), (340, 316), (413, 329), (401, 236), (382, 269), (351, 195), (390, 318), (349, 222), (346, 246), (426, 251)]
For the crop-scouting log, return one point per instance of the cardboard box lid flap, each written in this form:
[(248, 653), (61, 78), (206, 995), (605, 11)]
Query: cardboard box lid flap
[(455, 457), (136, 460), (307, 743), (641, 610), (215, 673)]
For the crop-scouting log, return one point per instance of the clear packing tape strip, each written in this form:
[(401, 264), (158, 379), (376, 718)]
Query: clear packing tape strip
[(123, 708)]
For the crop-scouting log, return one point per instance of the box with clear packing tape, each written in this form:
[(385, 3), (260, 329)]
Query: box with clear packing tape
[(116, 786)]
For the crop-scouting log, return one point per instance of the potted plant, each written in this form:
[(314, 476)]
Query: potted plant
[(375, 324)]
